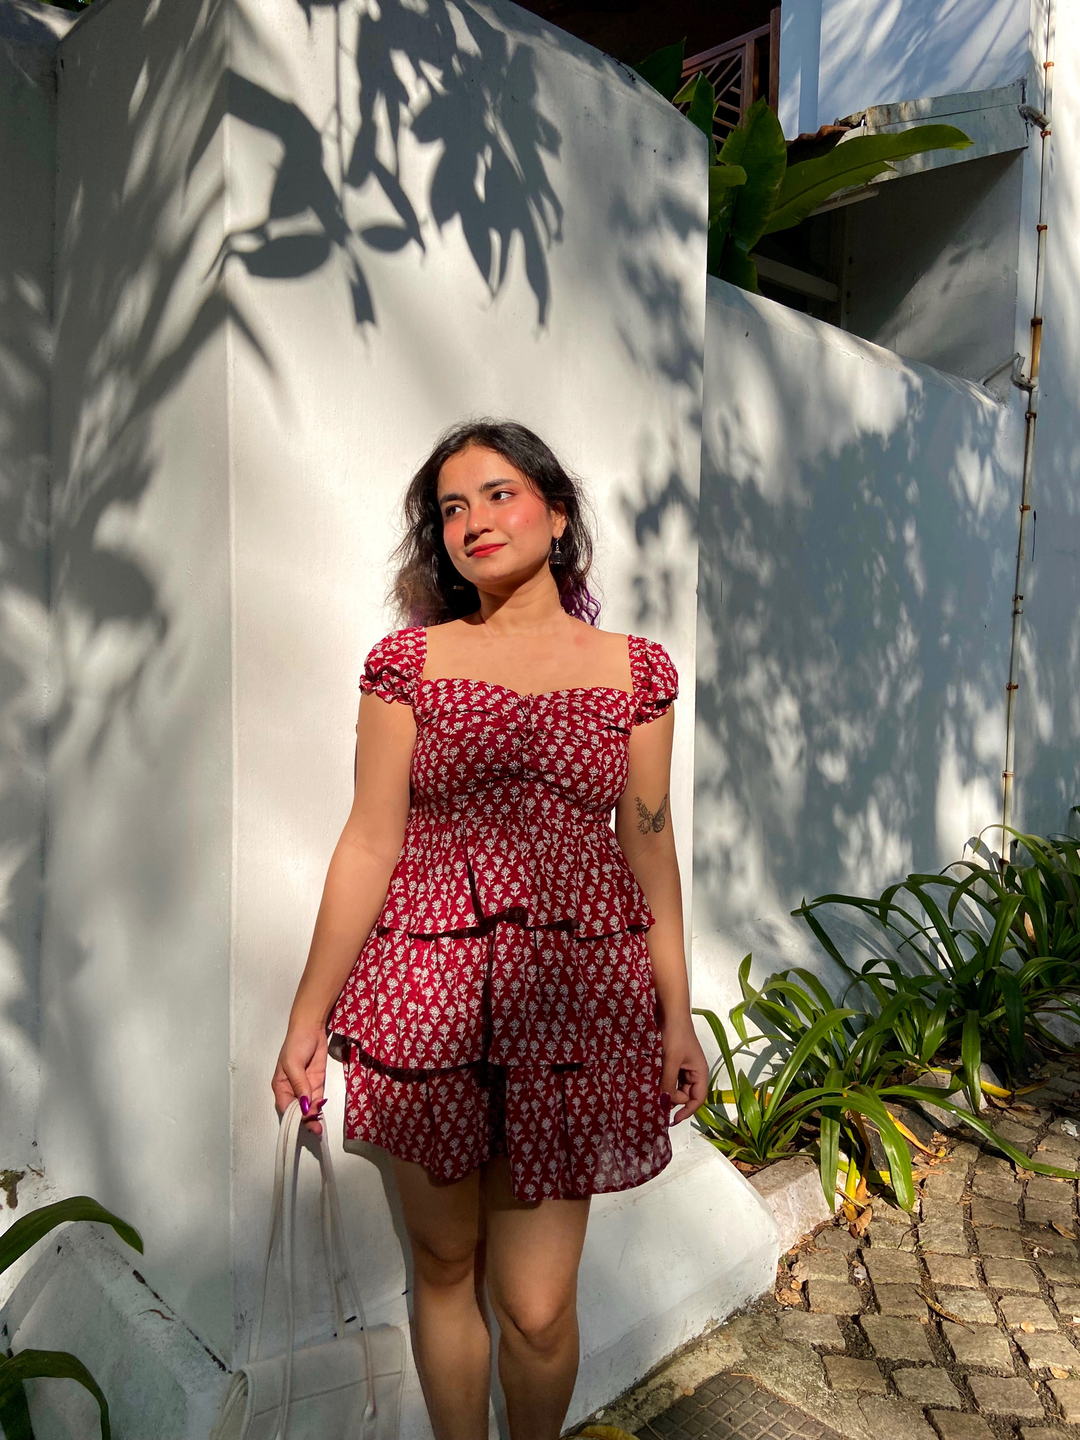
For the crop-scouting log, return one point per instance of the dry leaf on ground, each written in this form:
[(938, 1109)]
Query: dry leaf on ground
[(1063, 1230)]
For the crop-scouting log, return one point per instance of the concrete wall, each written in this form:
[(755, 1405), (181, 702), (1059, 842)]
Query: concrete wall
[(28, 40), (1048, 707), (860, 512), (314, 238), (566, 288), (839, 56), (931, 266), (857, 533), (135, 980)]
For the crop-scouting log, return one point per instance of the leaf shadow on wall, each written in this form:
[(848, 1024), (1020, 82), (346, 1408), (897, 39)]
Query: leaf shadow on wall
[(853, 626), (26, 119), (474, 95), (661, 335), (140, 306)]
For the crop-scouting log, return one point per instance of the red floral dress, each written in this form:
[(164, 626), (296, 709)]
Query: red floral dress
[(503, 1003)]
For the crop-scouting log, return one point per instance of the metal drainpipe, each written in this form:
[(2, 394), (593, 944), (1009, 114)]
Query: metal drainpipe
[(1030, 384)]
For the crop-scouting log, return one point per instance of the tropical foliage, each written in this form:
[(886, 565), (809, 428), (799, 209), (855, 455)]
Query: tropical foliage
[(48, 1364), (961, 966), (991, 946), (753, 190)]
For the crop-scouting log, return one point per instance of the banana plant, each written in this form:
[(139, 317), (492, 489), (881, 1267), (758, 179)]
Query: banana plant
[(753, 190), (49, 1364)]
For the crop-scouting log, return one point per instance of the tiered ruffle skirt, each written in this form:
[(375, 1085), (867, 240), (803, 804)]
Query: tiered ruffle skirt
[(535, 1043)]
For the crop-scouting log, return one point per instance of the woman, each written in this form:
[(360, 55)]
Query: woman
[(503, 978)]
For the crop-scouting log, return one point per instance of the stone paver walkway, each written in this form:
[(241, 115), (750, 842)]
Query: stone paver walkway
[(959, 1322)]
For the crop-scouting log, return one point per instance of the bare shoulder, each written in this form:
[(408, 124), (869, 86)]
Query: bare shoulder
[(607, 643)]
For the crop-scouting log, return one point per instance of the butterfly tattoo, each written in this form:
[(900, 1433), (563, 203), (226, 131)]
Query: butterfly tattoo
[(651, 820)]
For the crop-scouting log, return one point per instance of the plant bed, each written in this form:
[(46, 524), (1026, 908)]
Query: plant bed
[(963, 967)]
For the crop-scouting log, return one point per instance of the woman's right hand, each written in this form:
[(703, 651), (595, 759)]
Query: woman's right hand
[(301, 1072)]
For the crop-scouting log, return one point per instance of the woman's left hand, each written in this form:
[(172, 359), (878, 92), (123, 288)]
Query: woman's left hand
[(685, 1075)]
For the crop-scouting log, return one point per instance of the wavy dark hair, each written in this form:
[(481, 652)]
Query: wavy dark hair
[(427, 588)]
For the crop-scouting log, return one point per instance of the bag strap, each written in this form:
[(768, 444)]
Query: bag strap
[(291, 1140)]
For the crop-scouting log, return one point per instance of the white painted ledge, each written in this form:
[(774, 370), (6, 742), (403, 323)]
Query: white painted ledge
[(78, 1293)]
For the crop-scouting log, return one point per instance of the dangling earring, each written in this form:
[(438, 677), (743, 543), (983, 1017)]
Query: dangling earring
[(556, 553)]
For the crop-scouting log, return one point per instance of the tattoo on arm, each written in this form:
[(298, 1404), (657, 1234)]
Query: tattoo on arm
[(651, 820)]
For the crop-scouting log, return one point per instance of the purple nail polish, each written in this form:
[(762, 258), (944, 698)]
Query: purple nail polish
[(321, 1103), (665, 1101), (305, 1105)]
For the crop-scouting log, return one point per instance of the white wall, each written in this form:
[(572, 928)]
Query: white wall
[(931, 265), (857, 532), (840, 56), (253, 354), (1048, 707), (28, 39), (135, 1108), (592, 197)]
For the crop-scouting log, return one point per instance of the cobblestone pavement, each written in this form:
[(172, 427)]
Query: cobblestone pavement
[(960, 1321)]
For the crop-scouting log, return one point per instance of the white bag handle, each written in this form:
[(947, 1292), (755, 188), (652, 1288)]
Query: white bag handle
[(335, 1252)]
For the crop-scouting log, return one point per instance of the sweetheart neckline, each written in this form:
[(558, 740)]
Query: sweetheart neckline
[(525, 694), (530, 694)]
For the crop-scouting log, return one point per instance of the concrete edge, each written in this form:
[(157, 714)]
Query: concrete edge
[(792, 1191)]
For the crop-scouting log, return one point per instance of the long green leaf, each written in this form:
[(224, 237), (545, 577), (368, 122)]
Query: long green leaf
[(797, 1058), (721, 180), (15, 1414), (867, 1103), (51, 1365), (927, 1095), (749, 1103), (971, 1058), (809, 183), (663, 69), (701, 111), (935, 1031), (716, 1025), (999, 939), (942, 929), (805, 912), (29, 1230), (829, 1143), (757, 145)]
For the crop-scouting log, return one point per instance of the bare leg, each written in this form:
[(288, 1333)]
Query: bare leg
[(450, 1335), (531, 1264)]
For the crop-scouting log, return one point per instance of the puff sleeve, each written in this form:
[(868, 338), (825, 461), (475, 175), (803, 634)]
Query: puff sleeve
[(656, 681), (393, 667)]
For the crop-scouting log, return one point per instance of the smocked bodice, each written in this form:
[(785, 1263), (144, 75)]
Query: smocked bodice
[(512, 796)]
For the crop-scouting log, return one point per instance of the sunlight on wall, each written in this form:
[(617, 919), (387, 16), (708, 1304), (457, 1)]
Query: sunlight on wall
[(840, 56), (856, 527)]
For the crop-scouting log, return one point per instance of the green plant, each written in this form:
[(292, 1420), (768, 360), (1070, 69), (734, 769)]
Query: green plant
[(1048, 925), (833, 1073), (48, 1364), (979, 946), (753, 190), (770, 1116)]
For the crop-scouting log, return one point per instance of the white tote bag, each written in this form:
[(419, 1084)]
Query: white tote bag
[(348, 1388)]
